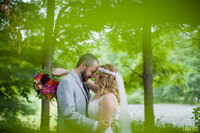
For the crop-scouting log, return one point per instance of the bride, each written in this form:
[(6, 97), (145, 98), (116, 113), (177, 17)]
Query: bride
[(109, 103)]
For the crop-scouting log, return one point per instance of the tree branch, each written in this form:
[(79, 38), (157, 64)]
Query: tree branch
[(133, 71), (58, 20), (57, 23)]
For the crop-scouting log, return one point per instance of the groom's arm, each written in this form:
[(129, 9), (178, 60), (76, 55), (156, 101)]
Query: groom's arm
[(67, 106)]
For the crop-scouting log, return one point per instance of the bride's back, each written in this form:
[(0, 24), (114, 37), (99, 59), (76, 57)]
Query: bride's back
[(104, 108)]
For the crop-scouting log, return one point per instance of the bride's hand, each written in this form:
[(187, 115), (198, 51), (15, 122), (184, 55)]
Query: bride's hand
[(60, 72)]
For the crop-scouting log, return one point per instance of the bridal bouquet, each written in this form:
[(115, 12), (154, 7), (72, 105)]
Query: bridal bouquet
[(45, 86)]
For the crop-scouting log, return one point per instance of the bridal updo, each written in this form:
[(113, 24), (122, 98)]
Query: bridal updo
[(107, 83)]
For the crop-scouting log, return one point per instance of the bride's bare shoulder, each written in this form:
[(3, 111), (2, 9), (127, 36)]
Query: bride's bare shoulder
[(108, 101), (108, 96)]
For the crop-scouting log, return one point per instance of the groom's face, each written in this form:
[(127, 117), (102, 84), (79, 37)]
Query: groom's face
[(88, 72)]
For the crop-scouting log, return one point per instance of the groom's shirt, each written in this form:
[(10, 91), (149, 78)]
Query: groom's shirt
[(86, 90)]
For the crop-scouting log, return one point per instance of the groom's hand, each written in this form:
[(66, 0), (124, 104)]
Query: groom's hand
[(102, 126)]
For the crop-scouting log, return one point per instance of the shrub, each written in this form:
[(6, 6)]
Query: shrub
[(13, 125), (196, 117)]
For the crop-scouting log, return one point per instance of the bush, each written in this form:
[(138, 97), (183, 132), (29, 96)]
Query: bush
[(196, 117), (13, 125)]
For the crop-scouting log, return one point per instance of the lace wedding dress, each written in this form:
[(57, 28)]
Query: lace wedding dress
[(93, 108)]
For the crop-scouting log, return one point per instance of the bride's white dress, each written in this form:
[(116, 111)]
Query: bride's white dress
[(93, 108)]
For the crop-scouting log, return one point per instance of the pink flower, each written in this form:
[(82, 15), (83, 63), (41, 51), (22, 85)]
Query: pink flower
[(46, 89)]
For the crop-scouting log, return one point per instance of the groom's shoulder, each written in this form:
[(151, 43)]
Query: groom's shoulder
[(68, 78)]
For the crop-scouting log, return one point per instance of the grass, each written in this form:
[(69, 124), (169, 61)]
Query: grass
[(138, 127), (18, 126)]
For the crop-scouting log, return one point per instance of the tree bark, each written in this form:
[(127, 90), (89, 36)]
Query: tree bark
[(198, 37), (148, 78), (47, 61)]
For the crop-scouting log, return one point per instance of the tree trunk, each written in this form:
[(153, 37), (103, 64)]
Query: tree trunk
[(47, 61), (148, 78), (198, 45)]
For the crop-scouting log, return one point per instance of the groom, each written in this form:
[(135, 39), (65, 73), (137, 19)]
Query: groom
[(73, 97)]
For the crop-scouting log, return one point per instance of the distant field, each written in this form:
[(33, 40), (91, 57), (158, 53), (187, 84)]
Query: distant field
[(177, 114)]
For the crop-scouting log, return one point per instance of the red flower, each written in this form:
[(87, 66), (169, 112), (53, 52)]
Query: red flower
[(56, 84), (39, 76), (50, 82)]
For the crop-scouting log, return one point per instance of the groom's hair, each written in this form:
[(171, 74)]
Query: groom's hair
[(88, 59)]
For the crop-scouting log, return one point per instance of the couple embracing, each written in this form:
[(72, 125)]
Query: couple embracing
[(78, 112)]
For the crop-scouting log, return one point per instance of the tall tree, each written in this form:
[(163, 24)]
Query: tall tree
[(47, 60), (148, 78)]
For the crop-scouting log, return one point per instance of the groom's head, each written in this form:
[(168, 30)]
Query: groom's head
[(87, 65)]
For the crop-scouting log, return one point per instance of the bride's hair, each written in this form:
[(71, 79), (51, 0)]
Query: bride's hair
[(107, 82)]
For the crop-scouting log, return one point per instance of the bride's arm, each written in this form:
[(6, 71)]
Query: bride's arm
[(61, 71), (94, 87), (106, 108)]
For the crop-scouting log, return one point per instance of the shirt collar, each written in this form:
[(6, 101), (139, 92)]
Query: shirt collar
[(75, 75)]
